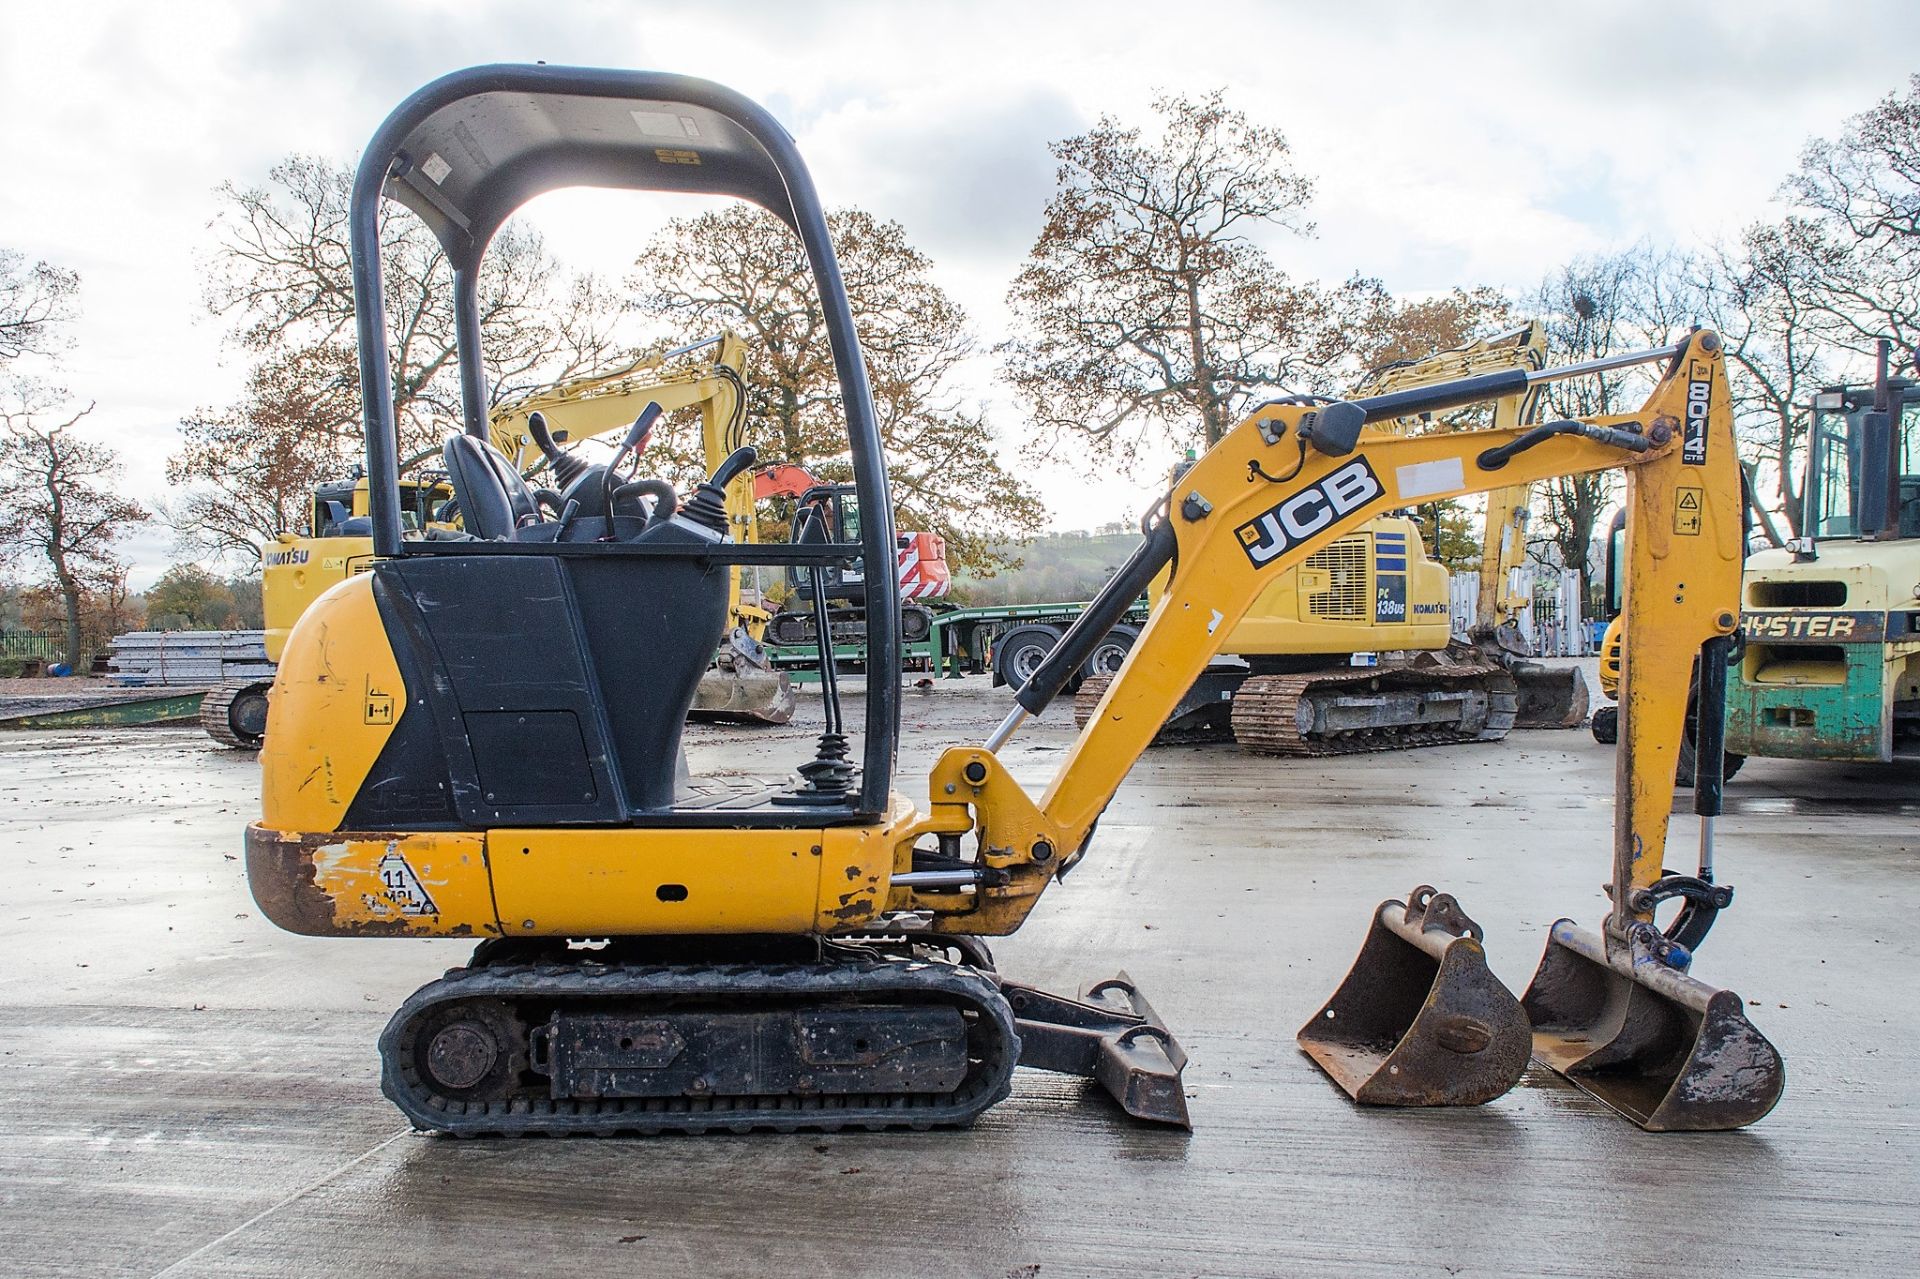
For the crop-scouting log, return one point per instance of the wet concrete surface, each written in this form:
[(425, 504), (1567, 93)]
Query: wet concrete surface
[(184, 1090)]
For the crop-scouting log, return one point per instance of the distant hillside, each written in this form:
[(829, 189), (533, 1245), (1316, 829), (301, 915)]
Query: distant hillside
[(1062, 566)]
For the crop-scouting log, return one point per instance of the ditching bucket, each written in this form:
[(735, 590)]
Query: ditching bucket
[(1666, 1050), (1420, 1020), (742, 686), (1550, 696)]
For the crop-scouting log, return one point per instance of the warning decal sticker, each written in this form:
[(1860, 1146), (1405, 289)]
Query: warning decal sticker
[(403, 887), (1686, 512)]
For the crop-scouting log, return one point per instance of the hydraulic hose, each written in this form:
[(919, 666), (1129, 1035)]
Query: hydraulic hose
[(1099, 617), (1495, 458)]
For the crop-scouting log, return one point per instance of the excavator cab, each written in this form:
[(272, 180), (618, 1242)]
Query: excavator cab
[(621, 601)]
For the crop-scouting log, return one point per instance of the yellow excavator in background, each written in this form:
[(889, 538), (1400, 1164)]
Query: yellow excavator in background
[(296, 568), (498, 716), (1550, 697), (1285, 683)]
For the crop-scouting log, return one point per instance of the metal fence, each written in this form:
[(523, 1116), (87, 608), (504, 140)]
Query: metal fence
[(46, 645), (1555, 622)]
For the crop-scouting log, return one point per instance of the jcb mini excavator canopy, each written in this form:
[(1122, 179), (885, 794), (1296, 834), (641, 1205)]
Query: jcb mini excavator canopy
[(472, 147)]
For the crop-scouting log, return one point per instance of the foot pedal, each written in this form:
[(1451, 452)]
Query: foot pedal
[(1632, 1029), (1420, 1020), (1110, 1034)]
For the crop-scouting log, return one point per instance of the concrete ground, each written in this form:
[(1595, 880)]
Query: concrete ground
[(185, 1090)]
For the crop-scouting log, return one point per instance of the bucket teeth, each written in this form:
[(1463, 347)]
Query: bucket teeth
[(1420, 1020), (1666, 1050)]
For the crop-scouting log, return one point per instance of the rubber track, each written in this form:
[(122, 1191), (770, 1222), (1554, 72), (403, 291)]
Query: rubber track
[(1266, 710), (216, 715), (993, 1040)]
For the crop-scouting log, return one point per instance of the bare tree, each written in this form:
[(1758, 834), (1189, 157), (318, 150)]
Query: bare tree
[(57, 503), (1146, 312), (1754, 293), (281, 275), (1591, 307), (1854, 230), (740, 268), (35, 302)]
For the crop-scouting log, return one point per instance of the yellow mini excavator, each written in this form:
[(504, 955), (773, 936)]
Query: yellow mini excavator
[(477, 737)]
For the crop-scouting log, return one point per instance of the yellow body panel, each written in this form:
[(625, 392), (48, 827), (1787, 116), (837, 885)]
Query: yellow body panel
[(336, 698), (295, 571), (598, 882)]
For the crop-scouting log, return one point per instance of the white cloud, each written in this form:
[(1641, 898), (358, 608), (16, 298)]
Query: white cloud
[(1452, 144)]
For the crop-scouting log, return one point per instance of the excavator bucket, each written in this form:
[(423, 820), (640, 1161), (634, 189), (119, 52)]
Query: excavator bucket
[(742, 686), (1631, 1028), (1420, 1020), (1550, 696)]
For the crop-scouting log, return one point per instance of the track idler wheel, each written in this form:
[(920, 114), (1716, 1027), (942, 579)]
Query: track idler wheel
[(1627, 1025), (235, 715), (473, 1052), (1420, 1019)]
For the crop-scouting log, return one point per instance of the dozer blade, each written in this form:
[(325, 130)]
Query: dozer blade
[(743, 687), (1420, 1020), (1666, 1050), (1110, 1034), (1550, 696)]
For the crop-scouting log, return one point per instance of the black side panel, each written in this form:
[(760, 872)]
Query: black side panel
[(530, 757), (541, 691), (498, 638), (651, 626)]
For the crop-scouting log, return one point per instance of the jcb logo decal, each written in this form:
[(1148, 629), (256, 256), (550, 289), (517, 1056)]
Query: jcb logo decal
[(1693, 447), (1312, 510)]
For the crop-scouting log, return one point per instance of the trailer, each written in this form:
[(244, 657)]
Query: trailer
[(1006, 641)]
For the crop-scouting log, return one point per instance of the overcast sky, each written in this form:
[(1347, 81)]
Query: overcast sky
[(1453, 144)]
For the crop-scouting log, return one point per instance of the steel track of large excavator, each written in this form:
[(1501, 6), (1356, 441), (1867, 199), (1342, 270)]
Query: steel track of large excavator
[(1342, 711), (1347, 712), (861, 1040), (235, 715)]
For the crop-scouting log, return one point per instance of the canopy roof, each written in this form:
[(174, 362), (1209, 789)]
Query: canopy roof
[(470, 148)]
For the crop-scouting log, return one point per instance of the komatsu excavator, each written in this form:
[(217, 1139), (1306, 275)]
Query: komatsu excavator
[(296, 568), (477, 737)]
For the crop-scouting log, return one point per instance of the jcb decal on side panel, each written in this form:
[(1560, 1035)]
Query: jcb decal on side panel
[(1313, 509), (1693, 446)]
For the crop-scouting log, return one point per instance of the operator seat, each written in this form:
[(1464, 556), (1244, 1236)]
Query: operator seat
[(494, 498)]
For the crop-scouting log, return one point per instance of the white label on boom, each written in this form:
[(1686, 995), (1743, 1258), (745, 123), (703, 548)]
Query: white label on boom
[(1423, 479)]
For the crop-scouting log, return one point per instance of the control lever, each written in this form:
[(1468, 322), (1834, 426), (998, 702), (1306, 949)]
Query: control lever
[(634, 441), (566, 467), (708, 505), (737, 461)]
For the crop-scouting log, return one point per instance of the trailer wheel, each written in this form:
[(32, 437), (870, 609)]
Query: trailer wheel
[(916, 622), (1018, 653), (1104, 662)]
